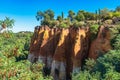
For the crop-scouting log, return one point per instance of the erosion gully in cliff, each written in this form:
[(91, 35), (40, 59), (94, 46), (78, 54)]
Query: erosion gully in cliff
[(101, 44), (63, 51)]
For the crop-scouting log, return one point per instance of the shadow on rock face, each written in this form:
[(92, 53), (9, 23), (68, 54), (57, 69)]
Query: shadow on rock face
[(64, 51)]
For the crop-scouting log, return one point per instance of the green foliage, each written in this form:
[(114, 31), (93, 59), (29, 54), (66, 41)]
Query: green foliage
[(105, 68), (71, 15), (53, 23), (117, 8), (59, 18), (63, 25), (78, 24), (39, 15), (104, 16), (89, 64), (86, 75), (90, 16), (116, 44), (104, 13), (99, 16), (7, 22), (94, 30), (80, 16), (112, 75), (116, 14), (45, 22), (50, 13), (45, 16), (109, 21), (115, 41), (13, 58)]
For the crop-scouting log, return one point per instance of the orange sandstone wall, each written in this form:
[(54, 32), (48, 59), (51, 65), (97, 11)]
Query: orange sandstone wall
[(64, 50), (101, 44)]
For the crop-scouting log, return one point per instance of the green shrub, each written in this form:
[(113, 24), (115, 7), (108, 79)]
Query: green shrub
[(14, 64), (115, 40), (109, 21), (94, 30), (116, 44), (63, 25), (78, 24), (106, 67)]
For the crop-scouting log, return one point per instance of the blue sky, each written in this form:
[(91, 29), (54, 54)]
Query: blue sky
[(24, 11)]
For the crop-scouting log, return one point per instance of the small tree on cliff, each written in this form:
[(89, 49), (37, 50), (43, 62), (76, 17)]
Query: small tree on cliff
[(45, 17), (105, 14), (117, 8), (59, 18), (6, 23), (40, 15), (80, 16), (50, 13), (71, 15)]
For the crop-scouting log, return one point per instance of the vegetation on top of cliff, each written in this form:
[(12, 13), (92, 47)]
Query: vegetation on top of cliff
[(94, 30), (77, 19)]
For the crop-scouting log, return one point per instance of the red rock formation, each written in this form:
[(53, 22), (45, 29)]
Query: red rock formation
[(101, 44), (78, 48), (59, 58), (64, 50), (47, 48), (44, 46), (34, 46)]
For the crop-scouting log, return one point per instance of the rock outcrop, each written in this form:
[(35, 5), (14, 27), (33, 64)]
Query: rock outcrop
[(79, 47), (101, 44), (63, 51)]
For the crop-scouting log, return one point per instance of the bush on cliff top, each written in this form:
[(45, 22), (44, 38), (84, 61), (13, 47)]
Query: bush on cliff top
[(94, 30)]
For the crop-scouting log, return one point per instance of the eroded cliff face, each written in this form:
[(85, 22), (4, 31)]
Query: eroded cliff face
[(78, 48), (101, 44), (59, 58), (63, 51)]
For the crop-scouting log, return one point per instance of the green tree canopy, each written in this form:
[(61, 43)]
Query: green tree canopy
[(71, 15), (117, 8), (6, 23), (104, 13), (59, 18), (45, 16), (80, 16), (50, 13)]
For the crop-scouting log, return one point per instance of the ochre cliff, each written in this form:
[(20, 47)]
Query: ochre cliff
[(101, 44), (63, 51)]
